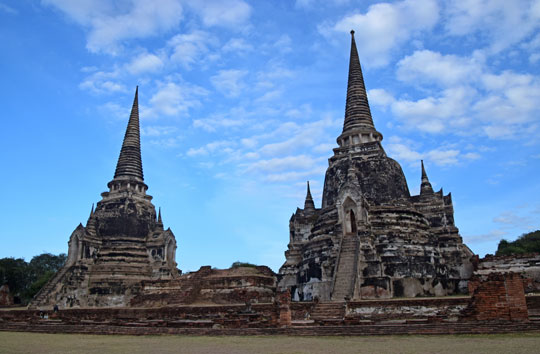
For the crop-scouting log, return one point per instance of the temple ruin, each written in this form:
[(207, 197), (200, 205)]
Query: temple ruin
[(371, 238), (372, 260), (123, 243)]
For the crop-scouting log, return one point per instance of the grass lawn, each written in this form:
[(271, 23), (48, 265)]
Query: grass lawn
[(18, 342)]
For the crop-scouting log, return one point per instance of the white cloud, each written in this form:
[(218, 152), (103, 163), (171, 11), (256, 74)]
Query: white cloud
[(173, 99), (426, 65), (385, 27), (403, 150), (7, 9), (215, 146), (301, 111), (502, 22), (229, 82), (294, 175), (237, 45), (283, 44), (249, 142), (468, 97), (103, 82), (380, 97), (435, 114), (144, 63), (211, 124), (282, 164), (443, 157), (472, 156), (189, 48), (510, 219), (305, 135), (155, 130), (231, 13), (110, 23)]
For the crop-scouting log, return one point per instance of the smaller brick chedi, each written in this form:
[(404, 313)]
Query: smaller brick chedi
[(371, 238), (123, 243)]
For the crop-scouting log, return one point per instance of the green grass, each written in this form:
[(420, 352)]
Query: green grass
[(17, 342)]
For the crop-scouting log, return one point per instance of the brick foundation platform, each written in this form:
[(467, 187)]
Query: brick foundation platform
[(497, 305)]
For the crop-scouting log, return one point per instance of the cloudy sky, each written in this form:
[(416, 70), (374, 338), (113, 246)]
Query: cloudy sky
[(241, 103)]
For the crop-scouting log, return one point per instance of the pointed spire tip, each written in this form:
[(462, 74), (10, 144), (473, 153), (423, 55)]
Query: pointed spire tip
[(129, 163)]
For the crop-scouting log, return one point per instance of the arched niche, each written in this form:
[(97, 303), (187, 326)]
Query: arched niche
[(350, 212)]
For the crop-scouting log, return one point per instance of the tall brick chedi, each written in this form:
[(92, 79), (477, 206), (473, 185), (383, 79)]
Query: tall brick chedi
[(371, 238), (123, 243)]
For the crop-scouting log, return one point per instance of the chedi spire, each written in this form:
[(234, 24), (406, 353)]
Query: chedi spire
[(357, 112), (129, 164)]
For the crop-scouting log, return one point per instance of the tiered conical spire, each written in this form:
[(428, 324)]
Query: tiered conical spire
[(129, 164), (309, 204), (91, 224), (425, 187), (159, 221), (357, 112)]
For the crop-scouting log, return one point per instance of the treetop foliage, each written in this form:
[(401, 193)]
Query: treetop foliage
[(25, 279), (526, 243)]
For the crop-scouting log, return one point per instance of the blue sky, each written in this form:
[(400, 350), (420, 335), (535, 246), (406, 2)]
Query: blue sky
[(241, 103)]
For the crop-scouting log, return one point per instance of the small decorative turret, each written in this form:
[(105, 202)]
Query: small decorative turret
[(425, 187), (309, 204), (159, 221), (91, 224)]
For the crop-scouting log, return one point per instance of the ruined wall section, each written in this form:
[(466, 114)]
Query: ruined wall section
[(527, 265), (455, 255), (497, 297), (210, 286)]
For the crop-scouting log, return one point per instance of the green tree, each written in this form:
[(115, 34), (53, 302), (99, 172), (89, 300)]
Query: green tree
[(26, 279), (526, 243), (242, 264), (14, 273)]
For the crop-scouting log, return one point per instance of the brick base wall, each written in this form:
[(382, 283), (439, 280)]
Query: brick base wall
[(497, 296)]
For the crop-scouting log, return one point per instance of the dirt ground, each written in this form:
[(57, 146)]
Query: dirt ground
[(16, 342)]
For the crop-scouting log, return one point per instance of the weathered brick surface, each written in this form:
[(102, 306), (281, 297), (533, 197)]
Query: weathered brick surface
[(340, 330), (5, 297), (284, 303), (211, 286), (527, 265), (499, 297)]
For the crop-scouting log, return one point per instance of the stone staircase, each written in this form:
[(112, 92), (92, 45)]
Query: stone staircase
[(42, 294), (346, 268)]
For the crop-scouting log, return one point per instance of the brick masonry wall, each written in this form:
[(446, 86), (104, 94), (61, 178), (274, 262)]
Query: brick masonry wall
[(528, 265), (436, 309), (497, 296)]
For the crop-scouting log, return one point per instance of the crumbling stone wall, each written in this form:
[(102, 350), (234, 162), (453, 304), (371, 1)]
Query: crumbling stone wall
[(497, 297), (527, 265), (5, 297), (435, 309), (211, 286)]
